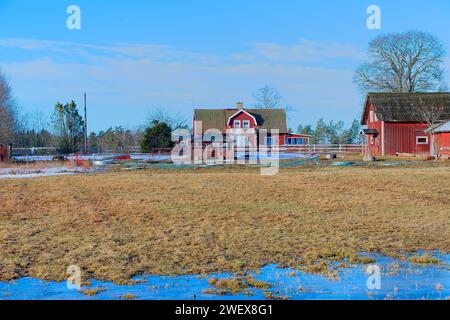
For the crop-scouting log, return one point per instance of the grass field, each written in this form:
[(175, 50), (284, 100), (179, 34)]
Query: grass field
[(120, 224)]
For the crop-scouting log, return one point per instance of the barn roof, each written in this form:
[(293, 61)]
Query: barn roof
[(404, 107), (266, 118)]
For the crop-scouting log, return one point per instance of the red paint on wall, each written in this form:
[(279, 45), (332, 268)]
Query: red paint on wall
[(4, 153), (443, 143), (403, 138)]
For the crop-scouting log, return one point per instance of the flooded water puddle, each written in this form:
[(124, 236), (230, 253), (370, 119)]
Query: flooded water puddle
[(397, 280)]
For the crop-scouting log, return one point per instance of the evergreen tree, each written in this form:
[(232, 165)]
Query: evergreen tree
[(320, 133), (68, 126), (158, 135)]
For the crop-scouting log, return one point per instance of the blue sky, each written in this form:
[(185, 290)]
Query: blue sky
[(133, 56)]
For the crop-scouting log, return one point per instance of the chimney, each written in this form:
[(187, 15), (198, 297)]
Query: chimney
[(239, 105)]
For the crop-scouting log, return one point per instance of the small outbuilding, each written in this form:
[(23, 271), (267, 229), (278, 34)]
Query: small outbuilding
[(442, 136), (4, 153)]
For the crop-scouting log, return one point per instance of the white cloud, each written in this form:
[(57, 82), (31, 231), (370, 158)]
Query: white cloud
[(304, 51)]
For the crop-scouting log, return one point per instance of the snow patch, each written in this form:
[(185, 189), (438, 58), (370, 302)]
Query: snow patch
[(21, 173)]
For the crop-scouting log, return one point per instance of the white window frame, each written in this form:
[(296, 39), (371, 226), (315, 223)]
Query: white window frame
[(422, 137), (237, 124), (246, 124)]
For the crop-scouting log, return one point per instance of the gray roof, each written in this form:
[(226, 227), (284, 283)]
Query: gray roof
[(266, 118), (445, 127), (404, 107)]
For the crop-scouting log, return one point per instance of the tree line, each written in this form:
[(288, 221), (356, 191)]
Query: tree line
[(332, 132)]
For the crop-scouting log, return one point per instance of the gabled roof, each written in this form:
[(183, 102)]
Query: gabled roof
[(403, 107), (237, 113), (266, 118)]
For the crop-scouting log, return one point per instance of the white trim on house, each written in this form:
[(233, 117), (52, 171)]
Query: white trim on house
[(239, 111), (382, 138)]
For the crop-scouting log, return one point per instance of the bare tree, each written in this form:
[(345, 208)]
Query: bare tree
[(403, 62), (7, 112), (156, 115), (268, 98)]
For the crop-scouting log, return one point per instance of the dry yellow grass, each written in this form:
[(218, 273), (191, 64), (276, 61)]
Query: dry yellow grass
[(117, 225)]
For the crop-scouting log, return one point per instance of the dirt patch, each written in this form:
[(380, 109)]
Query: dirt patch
[(118, 225)]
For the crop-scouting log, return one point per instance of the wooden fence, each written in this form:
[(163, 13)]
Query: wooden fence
[(328, 148)]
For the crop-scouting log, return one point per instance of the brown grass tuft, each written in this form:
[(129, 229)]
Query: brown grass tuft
[(93, 291), (424, 259)]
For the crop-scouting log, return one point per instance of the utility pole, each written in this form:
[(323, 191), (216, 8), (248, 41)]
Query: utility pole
[(85, 126)]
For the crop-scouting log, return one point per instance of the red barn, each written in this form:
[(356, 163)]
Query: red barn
[(248, 121), (394, 124)]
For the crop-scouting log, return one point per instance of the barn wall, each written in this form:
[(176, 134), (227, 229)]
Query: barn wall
[(401, 138)]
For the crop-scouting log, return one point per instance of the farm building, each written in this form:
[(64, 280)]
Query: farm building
[(395, 123), (4, 152), (244, 124), (442, 136)]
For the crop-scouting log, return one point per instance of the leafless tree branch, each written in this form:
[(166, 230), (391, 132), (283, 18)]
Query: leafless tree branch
[(404, 62)]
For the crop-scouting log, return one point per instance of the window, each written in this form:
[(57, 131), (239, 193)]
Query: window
[(371, 116), (246, 124), (237, 124), (421, 140)]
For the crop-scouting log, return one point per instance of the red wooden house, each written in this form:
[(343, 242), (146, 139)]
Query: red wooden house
[(248, 122), (394, 124)]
